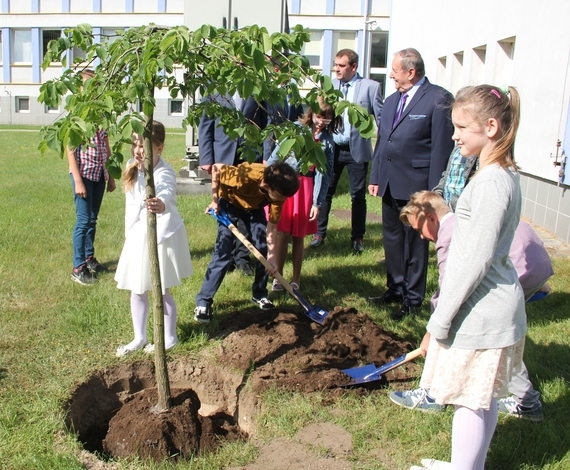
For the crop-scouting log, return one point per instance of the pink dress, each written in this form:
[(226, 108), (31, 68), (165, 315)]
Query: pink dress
[(297, 209)]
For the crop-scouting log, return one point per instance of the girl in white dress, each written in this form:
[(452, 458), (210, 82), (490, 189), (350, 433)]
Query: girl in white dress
[(476, 333), (133, 270)]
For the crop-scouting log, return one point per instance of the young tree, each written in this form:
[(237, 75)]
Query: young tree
[(136, 62)]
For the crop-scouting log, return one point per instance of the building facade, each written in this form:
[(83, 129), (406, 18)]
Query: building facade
[(27, 26), (506, 42)]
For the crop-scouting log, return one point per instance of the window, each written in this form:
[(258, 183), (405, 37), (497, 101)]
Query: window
[(51, 110), (342, 40), (0, 47), (312, 49), (110, 35), (47, 36), (78, 54), (477, 70), (22, 45), (22, 104), (441, 70), (504, 57), (313, 7), (176, 107), (346, 7), (378, 48)]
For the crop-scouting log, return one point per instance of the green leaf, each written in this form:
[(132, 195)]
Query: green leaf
[(101, 52), (285, 147), (259, 59), (138, 127)]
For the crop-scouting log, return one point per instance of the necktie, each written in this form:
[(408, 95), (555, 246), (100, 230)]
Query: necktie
[(400, 108), (344, 87)]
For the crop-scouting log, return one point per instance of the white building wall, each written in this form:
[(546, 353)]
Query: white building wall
[(514, 42)]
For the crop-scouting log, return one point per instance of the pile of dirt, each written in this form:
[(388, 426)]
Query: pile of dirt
[(138, 429), (291, 352), (113, 410)]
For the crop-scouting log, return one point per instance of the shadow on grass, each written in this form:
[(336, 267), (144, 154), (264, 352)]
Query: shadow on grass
[(516, 443), (553, 308)]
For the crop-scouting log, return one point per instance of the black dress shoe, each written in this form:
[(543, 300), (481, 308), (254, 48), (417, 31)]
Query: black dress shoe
[(317, 242), (245, 269), (405, 311), (357, 245), (388, 297)]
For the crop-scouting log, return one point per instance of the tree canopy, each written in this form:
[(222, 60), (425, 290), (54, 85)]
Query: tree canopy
[(190, 65)]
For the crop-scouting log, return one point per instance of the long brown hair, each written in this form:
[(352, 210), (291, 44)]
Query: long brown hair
[(130, 173), (484, 102), (326, 111)]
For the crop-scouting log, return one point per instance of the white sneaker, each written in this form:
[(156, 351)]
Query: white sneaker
[(127, 349), (149, 348), (432, 464), (264, 303)]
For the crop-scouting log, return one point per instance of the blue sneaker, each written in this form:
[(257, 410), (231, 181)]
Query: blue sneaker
[(418, 399), (512, 408)]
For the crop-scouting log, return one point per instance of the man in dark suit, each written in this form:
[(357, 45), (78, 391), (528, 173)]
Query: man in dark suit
[(216, 147), (412, 150), (351, 149)]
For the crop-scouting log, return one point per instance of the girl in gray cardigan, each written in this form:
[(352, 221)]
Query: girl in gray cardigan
[(475, 336)]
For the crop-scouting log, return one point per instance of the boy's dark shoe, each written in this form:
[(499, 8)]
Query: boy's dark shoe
[(83, 276), (264, 303), (388, 297), (357, 245), (317, 242), (93, 265), (405, 311), (203, 314), (245, 269)]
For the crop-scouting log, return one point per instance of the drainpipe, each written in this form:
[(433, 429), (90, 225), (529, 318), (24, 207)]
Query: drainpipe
[(365, 55)]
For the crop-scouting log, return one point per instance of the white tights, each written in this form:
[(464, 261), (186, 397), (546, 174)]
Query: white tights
[(139, 314), (471, 436)]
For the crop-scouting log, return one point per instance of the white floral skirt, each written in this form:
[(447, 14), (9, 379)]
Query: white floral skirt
[(467, 377)]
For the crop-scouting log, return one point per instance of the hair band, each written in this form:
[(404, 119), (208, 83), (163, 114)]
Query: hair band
[(496, 93)]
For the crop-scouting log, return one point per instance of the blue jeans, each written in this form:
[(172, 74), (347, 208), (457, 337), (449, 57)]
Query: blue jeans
[(86, 212), (255, 225)]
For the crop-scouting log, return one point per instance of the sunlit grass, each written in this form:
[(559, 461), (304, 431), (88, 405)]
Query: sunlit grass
[(56, 333)]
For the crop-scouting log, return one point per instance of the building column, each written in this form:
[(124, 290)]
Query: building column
[(328, 53), (36, 55), (6, 55)]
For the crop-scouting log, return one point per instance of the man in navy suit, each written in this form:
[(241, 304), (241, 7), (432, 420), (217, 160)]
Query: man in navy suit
[(351, 149), (412, 150), (216, 147)]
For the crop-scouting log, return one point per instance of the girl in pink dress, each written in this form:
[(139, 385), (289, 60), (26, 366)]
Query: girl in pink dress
[(300, 212)]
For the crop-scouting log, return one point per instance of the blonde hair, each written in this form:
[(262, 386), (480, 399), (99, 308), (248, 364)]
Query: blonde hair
[(486, 102), (423, 203), (130, 173)]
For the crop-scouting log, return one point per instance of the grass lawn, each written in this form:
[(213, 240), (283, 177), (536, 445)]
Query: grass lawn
[(56, 333)]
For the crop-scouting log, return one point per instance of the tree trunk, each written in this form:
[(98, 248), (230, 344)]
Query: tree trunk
[(162, 381)]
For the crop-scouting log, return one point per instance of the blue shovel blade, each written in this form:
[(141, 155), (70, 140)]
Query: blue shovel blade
[(317, 314), (360, 372)]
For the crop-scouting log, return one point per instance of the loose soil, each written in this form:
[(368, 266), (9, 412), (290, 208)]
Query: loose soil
[(113, 411)]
